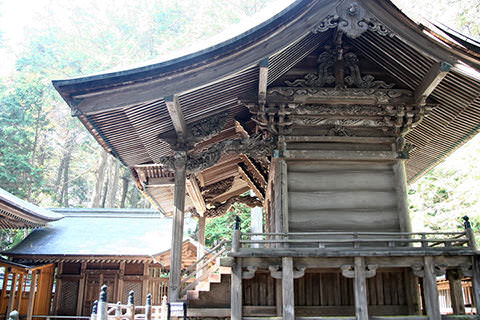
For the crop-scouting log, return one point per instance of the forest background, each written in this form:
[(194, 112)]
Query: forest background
[(48, 158)]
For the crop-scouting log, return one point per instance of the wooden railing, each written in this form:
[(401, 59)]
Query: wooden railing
[(102, 310), (202, 268), (353, 241)]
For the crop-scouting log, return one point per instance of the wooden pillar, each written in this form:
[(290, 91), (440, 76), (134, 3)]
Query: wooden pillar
[(236, 290), (287, 289), (6, 275), (21, 283), (13, 289), (476, 282), (31, 296), (412, 293), (431, 291), (402, 196), (81, 288), (456, 292), (145, 282), (177, 228), (256, 222), (201, 242), (278, 297), (360, 289), (121, 284), (58, 287)]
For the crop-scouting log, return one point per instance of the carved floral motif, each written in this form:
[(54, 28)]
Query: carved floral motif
[(354, 20), (255, 146)]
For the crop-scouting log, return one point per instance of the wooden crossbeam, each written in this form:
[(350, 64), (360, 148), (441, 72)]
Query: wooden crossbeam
[(250, 183), (262, 80), (432, 79), (176, 114), (196, 196)]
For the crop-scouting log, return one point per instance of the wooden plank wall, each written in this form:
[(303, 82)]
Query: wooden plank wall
[(327, 292), (342, 196)]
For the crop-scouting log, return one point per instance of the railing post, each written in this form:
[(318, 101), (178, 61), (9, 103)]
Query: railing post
[(424, 242), (236, 235), (164, 309), (13, 315), (130, 306), (148, 308), (469, 232), (118, 311), (102, 304), (94, 310)]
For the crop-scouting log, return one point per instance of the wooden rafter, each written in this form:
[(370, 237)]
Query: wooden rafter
[(254, 170), (246, 177), (196, 196), (176, 114), (262, 81), (432, 79)]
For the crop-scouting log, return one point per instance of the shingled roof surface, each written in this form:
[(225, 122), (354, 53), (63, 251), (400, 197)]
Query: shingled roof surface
[(100, 232), (21, 213)]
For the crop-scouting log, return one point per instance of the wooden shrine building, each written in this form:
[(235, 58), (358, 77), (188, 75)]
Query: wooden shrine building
[(16, 213), (127, 249), (25, 288), (325, 111)]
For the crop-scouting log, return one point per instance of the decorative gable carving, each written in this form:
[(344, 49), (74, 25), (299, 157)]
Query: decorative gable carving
[(351, 18)]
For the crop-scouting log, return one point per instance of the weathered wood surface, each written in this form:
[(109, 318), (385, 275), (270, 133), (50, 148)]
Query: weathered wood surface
[(402, 196), (287, 289), (342, 180), (360, 289), (177, 229), (431, 291), (340, 155), (236, 291), (341, 200), (343, 220), (456, 292)]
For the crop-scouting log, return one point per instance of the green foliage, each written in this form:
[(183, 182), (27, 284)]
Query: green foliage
[(221, 228), (22, 116), (440, 199)]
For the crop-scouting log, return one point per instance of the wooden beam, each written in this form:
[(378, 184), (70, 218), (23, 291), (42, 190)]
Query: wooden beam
[(254, 170), (32, 293), (341, 139), (250, 183), (400, 185), (196, 196), (236, 290), (201, 243), (81, 288), (430, 81), (431, 291), (456, 292), (13, 288), (476, 281), (177, 228), (262, 81), (340, 155), (360, 288), (176, 114), (21, 283), (287, 289)]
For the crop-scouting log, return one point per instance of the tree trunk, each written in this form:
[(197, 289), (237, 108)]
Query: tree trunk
[(125, 181), (134, 197), (97, 192), (115, 166)]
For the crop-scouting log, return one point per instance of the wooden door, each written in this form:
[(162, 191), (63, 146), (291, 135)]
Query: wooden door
[(93, 282)]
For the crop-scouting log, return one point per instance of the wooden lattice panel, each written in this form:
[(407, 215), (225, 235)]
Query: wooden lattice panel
[(136, 286), (68, 300)]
